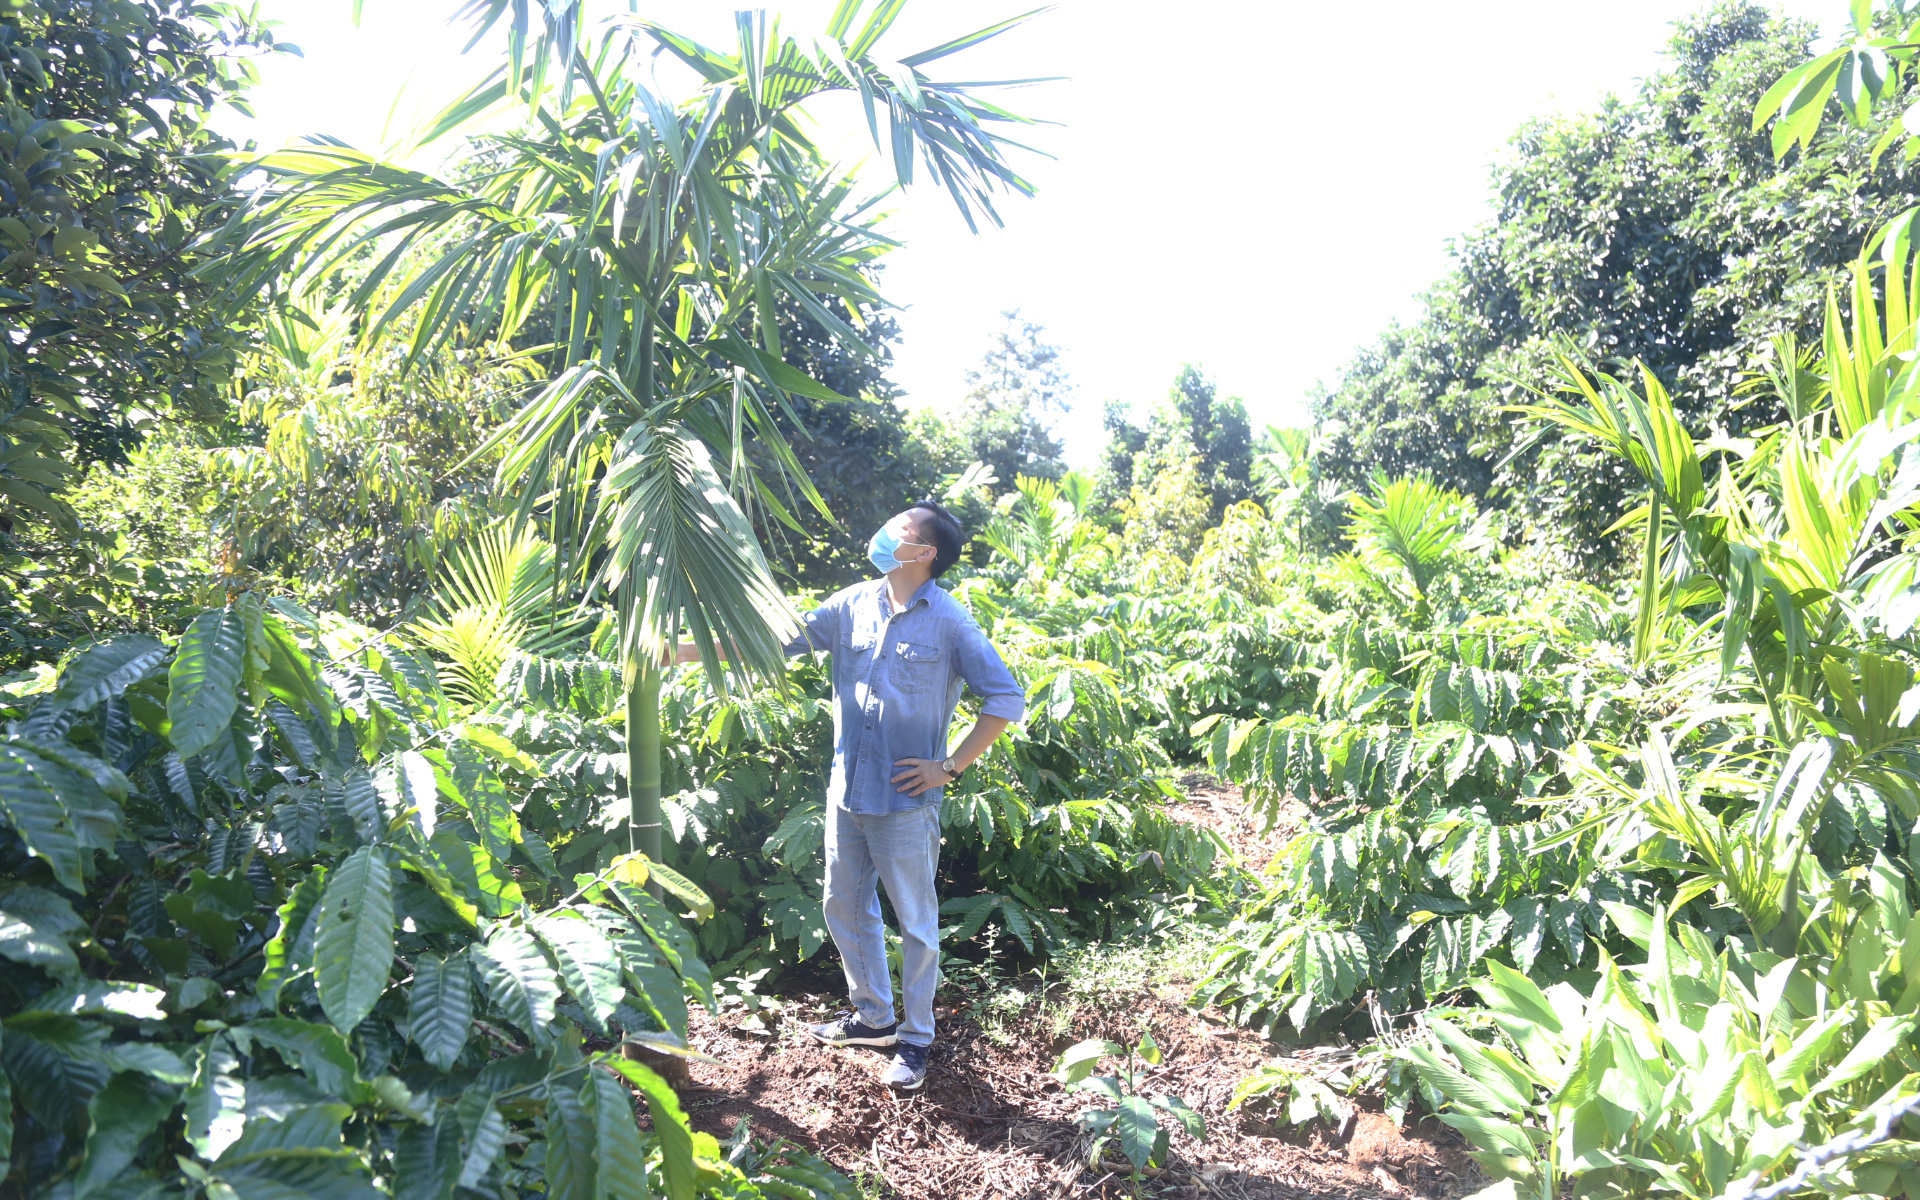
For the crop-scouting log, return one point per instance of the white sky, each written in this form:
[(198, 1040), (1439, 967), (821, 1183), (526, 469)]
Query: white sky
[(1254, 187)]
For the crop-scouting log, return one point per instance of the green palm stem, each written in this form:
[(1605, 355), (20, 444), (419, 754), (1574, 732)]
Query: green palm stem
[(643, 698), (643, 762)]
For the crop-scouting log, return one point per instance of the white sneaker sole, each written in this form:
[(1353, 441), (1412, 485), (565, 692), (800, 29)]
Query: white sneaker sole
[(915, 1086), (888, 1040)]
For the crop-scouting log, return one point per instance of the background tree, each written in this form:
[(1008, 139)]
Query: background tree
[(1658, 227), (865, 454), (112, 190), (1192, 429), (1005, 419)]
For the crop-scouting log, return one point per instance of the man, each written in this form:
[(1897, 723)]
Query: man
[(902, 647)]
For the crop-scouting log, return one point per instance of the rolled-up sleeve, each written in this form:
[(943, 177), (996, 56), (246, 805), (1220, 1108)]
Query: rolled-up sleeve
[(819, 629), (1000, 693)]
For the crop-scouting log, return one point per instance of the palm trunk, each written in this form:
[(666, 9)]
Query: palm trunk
[(643, 763), (643, 699)]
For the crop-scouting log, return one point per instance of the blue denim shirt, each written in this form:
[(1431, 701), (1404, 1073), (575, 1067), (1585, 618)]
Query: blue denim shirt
[(896, 682)]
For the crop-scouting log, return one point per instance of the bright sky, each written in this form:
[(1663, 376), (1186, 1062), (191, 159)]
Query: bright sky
[(1253, 187)]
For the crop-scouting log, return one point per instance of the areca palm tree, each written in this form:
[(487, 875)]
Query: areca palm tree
[(657, 241)]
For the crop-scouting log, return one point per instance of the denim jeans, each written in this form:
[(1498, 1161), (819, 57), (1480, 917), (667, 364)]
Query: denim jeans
[(900, 850)]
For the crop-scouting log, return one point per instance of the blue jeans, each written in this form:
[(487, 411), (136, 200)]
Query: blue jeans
[(900, 850)]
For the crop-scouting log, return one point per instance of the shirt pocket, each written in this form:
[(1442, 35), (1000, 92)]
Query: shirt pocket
[(916, 667)]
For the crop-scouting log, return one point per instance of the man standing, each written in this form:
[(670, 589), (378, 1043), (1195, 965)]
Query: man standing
[(902, 647)]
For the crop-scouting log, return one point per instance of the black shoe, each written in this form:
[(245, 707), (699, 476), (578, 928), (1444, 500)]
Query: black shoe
[(909, 1069), (848, 1030)]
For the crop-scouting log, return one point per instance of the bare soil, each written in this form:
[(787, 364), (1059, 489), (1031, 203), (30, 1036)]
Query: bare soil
[(992, 1123)]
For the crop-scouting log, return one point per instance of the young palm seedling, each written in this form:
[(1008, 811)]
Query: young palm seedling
[(1131, 1117)]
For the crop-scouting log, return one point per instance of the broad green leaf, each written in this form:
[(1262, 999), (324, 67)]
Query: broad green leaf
[(35, 926), (1870, 1052), (619, 1151), (669, 1126), (440, 1007), (1148, 1049), (519, 981), (589, 967), (318, 1051), (124, 1112), (484, 1143), (283, 1177), (426, 1161), (1081, 1058), (306, 1131), (353, 938), (290, 950), (34, 796), (1137, 1127), (685, 889), (203, 685), (572, 1144), (106, 669), (1191, 1121)]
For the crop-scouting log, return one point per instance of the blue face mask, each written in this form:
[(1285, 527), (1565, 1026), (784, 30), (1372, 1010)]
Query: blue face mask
[(880, 550)]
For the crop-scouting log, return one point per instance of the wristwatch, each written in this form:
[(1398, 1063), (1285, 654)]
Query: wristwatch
[(952, 768)]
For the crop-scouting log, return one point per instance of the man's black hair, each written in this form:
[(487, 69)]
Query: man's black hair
[(942, 531)]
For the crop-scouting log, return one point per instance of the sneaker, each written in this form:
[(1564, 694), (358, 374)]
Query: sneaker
[(848, 1030), (909, 1069)]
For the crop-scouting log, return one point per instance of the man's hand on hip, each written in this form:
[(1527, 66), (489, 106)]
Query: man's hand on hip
[(920, 774)]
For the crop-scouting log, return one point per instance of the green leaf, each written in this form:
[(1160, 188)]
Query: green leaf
[(426, 1161), (106, 669), (353, 939), (588, 964), (34, 928), (1080, 1059), (305, 1131), (203, 685), (1191, 1121), (519, 982), (318, 1051), (571, 1144), (484, 1143), (288, 1177), (476, 787), (124, 1112), (290, 951), (669, 1125), (440, 1007), (679, 885), (620, 1153), (34, 793), (1148, 1049), (1137, 1127)]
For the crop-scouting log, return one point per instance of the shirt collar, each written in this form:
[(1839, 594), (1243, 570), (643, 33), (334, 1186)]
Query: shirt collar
[(886, 594)]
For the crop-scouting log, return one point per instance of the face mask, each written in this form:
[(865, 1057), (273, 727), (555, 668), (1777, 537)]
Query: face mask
[(880, 550)]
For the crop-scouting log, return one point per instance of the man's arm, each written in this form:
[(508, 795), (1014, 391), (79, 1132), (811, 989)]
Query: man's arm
[(818, 631), (919, 774)]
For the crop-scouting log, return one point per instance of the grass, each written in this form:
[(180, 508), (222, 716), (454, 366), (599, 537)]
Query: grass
[(1100, 975)]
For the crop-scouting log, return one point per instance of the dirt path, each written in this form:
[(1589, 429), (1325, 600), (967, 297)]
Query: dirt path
[(993, 1124)]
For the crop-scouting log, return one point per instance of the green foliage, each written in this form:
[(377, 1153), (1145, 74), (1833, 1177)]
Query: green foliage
[(1699, 1068), (111, 212), (1661, 228), (1134, 1120), (1012, 397), (271, 926), (1194, 424)]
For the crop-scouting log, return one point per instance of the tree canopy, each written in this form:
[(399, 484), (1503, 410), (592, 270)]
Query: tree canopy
[(1658, 227), (112, 191)]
